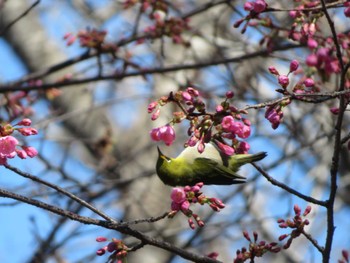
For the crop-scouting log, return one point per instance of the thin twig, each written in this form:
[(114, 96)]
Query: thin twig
[(313, 241), (119, 76), (110, 225), (288, 189), (19, 17), (61, 190)]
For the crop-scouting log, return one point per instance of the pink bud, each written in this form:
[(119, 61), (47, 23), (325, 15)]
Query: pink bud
[(282, 237), (200, 184), (219, 108), (312, 43), (185, 206), (307, 210), (283, 80), (25, 122), (28, 131), (101, 239), (225, 148), (347, 12), (152, 106), (154, 133), (334, 110), (21, 154), (191, 224), (248, 6), (155, 115), (30, 151), (294, 64), (259, 6), (192, 91), (273, 71), (309, 82), (201, 147), (229, 94), (101, 252), (111, 247), (297, 210), (246, 235), (255, 234), (312, 60), (227, 123), (293, 14), (186, 96)]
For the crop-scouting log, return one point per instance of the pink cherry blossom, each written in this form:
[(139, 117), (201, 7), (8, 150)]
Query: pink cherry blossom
[(178, 195), (165, 133), (227, 123), (8, 146), (259, 6)]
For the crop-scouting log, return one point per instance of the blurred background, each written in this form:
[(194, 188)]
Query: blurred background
[(94, 136)]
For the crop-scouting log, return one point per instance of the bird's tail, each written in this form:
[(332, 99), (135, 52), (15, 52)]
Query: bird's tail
[(238, 160)]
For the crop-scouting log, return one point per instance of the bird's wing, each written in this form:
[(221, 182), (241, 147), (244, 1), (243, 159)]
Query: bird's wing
[(212, 168)]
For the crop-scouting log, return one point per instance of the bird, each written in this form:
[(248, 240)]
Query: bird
[(212, 167)]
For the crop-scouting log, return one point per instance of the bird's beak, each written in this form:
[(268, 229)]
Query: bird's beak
[(159, 152), (161, 155)]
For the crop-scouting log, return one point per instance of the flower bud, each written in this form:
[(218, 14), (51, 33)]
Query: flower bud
[(229, 94), (246, 235), (294, 64), (273, 71), (309, 82), (283, 80), (307, 210), (334, 110), (101, 239)]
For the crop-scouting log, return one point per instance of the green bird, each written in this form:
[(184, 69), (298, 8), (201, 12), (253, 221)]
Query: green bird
[(210, 167)]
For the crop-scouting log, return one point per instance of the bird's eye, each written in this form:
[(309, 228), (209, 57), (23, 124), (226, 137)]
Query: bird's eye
[(165, 158)]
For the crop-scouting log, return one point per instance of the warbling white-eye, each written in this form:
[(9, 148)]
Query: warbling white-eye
[(210, 167)]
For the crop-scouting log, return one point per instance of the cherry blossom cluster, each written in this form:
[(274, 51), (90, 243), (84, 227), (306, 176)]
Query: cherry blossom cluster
[(159, 5), (9, 145), (172, 27), (297, 224), (182, 198), (227, 127), (255, 249), (19, 103), (164, 25), (255, 9), (91, 38), (274, 113), (118, 249), (258, 249), (304, 29)]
